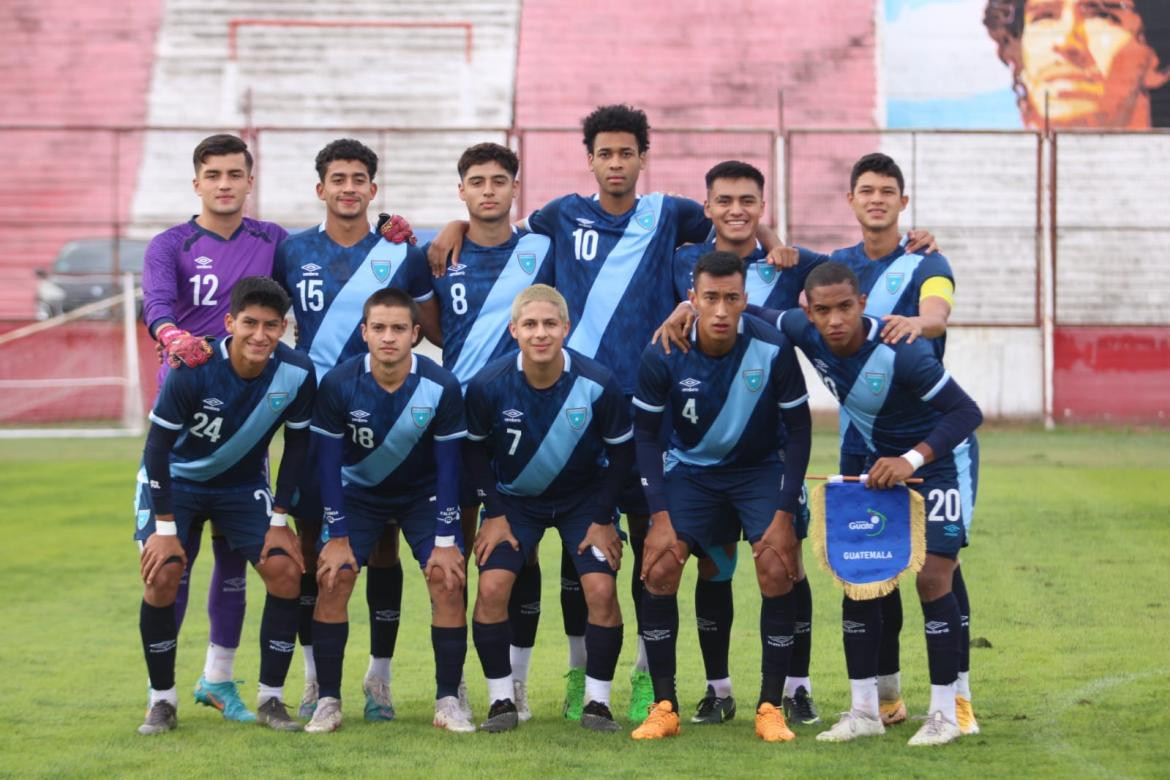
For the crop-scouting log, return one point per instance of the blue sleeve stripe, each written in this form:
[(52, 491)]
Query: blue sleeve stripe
[(476, 437), (154, 418), (297, 425), (794, 404), (946, 377), (638, 402), (623, 438), (452, 436), (324, 432), (425, 296)]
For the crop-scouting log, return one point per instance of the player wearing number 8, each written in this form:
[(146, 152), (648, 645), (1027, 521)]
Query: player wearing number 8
[(918, 422)]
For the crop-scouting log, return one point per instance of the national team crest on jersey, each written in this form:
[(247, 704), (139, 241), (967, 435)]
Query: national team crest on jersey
[(876, 381), (527, 261), (277, 401), (754, 379), (578, 416), (381, 269), (767, 272), (894, 282), (645, 219), (421, 415)]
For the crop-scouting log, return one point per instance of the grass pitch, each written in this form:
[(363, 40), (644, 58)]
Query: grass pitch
[(1069, 575)]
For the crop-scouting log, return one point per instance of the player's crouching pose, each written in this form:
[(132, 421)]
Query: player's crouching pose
[(918, 422), (727, 396), (550, 446), (205, 459), (388, 426)]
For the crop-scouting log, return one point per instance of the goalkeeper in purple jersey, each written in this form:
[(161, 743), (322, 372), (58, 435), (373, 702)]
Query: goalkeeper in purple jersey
[(187, 279)]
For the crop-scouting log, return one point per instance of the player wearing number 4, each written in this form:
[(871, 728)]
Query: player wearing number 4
[(389, 426), (206, 458), (550, 446), (918, 422), (329, 271), (187, 280)]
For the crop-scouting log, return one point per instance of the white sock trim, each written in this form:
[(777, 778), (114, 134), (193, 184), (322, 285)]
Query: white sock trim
[(597, 690), (576, 651)]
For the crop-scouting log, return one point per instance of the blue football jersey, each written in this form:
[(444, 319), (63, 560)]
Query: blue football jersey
[(475, 298), (767, 285), (616, 271), (724, 411), (227, 422), (389, 437), (547, 443), (329, 284), (884, 388)]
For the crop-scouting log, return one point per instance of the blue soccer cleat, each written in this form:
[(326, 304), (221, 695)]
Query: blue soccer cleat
[(225, 697)]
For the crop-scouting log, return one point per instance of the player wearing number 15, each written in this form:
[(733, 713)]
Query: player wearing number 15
[(206, 458), (918, 422)]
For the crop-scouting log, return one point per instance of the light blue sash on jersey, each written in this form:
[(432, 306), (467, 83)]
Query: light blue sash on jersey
[(571, 423), (283, 388), (616, 272), (867, 538), (761, 278), (345, 311), (402, 437), (888, 288), (869, 391), (496, 312)]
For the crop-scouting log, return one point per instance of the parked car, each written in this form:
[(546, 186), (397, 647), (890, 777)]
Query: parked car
[(84, 272)]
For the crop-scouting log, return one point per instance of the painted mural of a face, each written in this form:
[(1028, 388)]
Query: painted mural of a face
[(1099, 63)]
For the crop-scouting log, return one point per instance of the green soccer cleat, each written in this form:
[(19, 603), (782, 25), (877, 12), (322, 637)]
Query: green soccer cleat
[(641, 695), (225, 697), (574, 694), (379, 706)]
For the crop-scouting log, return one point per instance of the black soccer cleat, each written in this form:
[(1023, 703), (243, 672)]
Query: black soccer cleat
[(501, 717), (714, 709), (799, 708), (597, 717)]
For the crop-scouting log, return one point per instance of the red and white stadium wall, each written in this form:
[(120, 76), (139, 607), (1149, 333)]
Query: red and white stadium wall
[(1111, 374)]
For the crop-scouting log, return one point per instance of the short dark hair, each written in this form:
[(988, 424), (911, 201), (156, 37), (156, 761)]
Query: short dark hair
[(719, 264), (220, 144), (394, 298), (826, 274), (346, 149), (881, 164), (617, 119), (734, 169), (259, 291), (1004, 20), (486, 153)]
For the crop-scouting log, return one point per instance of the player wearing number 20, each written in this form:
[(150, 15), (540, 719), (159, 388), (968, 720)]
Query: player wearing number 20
[(918, 422), (206, 458)]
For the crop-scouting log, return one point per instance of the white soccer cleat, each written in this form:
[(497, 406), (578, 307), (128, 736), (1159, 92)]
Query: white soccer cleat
[(851, 726), (449, 715), (520, 697), (465, 702), (937, 730), (326, 717)]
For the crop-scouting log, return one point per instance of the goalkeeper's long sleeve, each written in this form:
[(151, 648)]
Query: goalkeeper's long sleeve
[(156, 458)]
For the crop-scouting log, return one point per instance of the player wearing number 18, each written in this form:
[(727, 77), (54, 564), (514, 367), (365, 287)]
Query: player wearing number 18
[(206, 459), (918, 422)]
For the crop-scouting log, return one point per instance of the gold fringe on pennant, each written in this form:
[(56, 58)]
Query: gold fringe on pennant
[(869, 590)]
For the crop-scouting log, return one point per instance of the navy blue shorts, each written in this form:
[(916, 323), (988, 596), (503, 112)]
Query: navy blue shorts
[(949, 487), (306, 502), (529, 518), (711, 507), (239, 514), (368, 516)]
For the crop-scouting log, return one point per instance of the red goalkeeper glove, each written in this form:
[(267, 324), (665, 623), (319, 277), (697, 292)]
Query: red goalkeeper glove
[(396, 229), (181, 348)]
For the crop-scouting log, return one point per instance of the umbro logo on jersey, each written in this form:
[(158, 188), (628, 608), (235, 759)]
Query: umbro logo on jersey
[(203, 261), (584, 222), (513, 414), (936, 627), (310, 269), (457, 270), (690, 385), (212, 404), (360, 415)]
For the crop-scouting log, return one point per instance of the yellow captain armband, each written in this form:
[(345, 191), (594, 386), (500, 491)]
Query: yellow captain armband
[(938, 287)]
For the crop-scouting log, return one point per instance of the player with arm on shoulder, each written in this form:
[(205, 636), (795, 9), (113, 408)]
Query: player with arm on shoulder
[(475, 307), (329, 271), (918, 422), (388, 428), (730, 398), (206, 457), (549, 446), (187, 279)]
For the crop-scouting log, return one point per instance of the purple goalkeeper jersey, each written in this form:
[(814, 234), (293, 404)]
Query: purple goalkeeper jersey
[(189, 273)]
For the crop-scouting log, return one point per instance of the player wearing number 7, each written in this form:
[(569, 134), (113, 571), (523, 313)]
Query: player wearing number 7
[(206, 458), (918, 422)]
